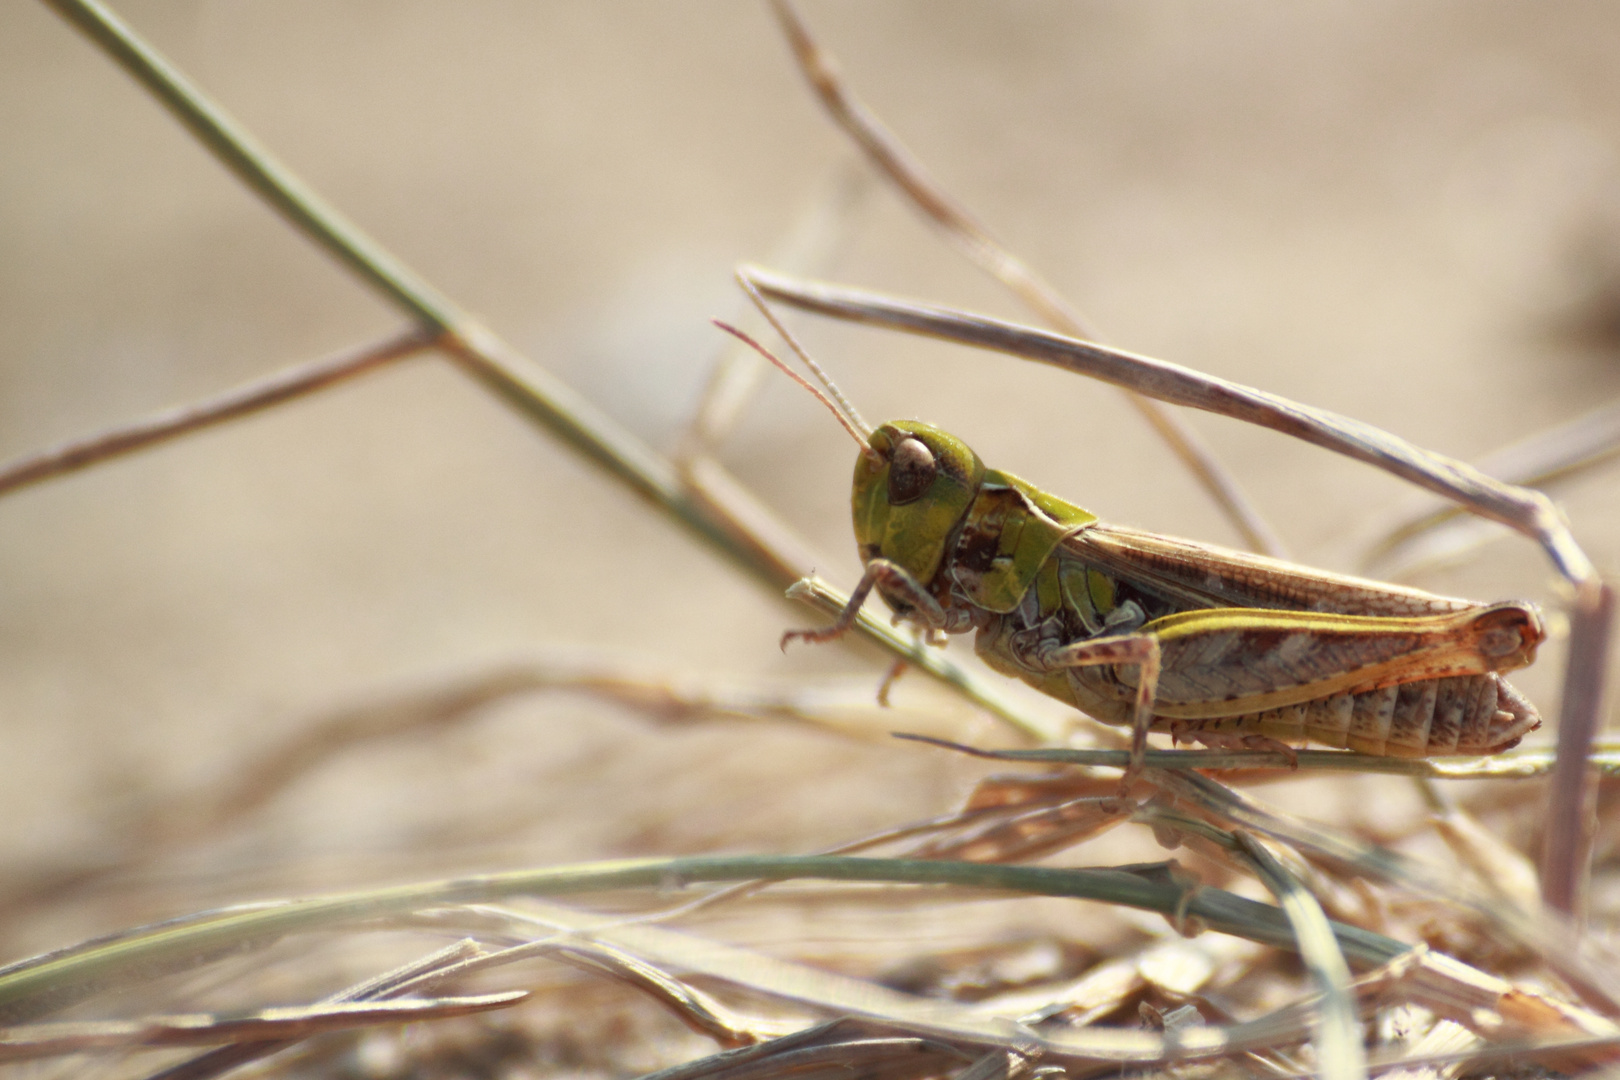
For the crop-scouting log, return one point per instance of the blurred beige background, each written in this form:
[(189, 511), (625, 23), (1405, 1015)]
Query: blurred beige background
[(1408, 213)]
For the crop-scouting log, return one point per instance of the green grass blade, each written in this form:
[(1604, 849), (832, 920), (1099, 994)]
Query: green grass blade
[(31, 988)]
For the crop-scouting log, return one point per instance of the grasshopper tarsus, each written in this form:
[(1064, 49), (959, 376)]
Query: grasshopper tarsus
[(1216, 740), (1266, 742), (814, 637)]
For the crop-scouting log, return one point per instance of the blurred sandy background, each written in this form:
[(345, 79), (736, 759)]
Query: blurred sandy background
[(1408, 213)]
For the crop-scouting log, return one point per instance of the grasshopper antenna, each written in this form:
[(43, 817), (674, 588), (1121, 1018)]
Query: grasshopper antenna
[(846, 412), (850, 425)]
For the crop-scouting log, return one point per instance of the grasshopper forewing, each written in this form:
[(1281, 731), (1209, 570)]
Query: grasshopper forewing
[(1207, 644)]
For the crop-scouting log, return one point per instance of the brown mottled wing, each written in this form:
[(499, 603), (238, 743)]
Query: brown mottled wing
[(1205, 575)]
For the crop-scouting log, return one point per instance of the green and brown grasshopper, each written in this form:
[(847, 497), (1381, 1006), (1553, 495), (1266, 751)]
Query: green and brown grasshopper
[(1207, 644)]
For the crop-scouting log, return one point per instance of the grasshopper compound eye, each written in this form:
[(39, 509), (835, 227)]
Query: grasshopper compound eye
[(911, 472)]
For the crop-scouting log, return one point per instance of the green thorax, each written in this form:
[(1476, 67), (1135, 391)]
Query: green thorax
[(920, 507), (1011, 532)]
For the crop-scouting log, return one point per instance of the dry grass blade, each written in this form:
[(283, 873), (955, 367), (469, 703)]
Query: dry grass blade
[(697, 1010), (564, 938), (971, 238), (831, 1050), (1581, 961), (207, 1029), (960, 1026), (1567, 853), (1516, 764), (1339, 1051), (47, 983)]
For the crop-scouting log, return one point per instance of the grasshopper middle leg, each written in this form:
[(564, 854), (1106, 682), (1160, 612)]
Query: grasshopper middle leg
[(1141, 650)]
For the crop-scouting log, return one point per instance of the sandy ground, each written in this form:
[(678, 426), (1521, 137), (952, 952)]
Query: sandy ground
[(1407, 213)]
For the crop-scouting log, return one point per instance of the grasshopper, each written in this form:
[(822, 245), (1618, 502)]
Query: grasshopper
[(1204, 643)]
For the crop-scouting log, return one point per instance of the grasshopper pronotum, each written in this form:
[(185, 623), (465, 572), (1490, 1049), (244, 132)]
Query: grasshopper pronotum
[(1208, 644)]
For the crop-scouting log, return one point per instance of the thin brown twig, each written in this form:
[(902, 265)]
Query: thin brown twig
[(973, 240), (250, 397)]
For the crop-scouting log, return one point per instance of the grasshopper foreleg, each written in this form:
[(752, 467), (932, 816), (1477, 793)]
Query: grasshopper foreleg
[(916, 603)]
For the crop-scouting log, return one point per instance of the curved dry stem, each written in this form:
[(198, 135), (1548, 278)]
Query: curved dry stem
[(973, 240)]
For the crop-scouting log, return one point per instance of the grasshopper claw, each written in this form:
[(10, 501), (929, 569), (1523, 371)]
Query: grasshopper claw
[(815, 637)]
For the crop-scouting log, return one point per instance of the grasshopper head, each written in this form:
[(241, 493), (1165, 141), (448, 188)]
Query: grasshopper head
[(910, 493)]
